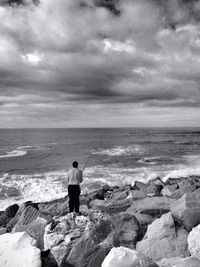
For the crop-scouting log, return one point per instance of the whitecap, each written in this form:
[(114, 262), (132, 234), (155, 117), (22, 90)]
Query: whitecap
[(182, 172), (14, 153), (121, 151), (149, 160)]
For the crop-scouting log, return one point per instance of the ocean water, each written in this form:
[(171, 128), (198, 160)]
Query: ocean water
[(34, 162)]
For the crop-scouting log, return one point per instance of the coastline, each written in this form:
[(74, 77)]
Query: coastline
[(138, 217)]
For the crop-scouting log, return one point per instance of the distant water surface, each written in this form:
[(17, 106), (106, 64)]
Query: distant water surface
[(34, 162)]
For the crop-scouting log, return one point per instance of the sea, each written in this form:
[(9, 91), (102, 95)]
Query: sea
[(34, 162)]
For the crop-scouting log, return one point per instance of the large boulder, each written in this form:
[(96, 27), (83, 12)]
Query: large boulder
[(56, 207), (8, 214), (95, 256), (150, 189), (169, 190), (122, 256), (186, 210), (15, 219), (111, 206), (155, 206), (138, 194), (179, 262), (48, 259), (194, 241), (126, 229), (143, 219), (28, 216), (35, 229), (162, 240), (19, 249), (90, 238)]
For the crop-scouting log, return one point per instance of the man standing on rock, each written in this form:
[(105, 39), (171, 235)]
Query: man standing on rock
[(75, 178)]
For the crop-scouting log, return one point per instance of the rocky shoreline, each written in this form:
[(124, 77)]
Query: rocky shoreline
[(145, 225)]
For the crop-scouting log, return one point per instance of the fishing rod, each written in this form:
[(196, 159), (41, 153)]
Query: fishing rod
[(87, 162)]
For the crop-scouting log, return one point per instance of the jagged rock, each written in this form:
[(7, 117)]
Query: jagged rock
[(18, 249), (126, 257), (64, 234), (58, 207), (51, 238), (8, 214), (186, 210), (194, 241), (195, 180), (143, 219), (153, 189), (113, 206), (120, 195), (35, 229), (163, 240), (87, 242), (169, 190), (158, 181), (28, 215), (59, 252), (126, 229), (154, 206), (181, 191), (63, 227), (179, 262), (15, 219), (150, 188), (11, 210), (96, 256), (58, 242), (138, 194), (3, 231), (48, 259), (87, 198), (139, 185)]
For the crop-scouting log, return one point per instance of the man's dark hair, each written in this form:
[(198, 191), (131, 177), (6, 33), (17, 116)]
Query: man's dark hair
[(75, 164)]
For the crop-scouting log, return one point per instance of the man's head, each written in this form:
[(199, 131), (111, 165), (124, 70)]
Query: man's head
[(75, 164)]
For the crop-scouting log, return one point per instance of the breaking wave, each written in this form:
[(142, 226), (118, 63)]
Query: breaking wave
[(14, 153), (121, 151), (156, 160)]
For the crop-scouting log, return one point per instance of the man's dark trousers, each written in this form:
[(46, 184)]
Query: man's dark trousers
[(74, 193)]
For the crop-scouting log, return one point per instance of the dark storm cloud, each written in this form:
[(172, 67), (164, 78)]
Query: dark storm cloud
[(85, 52)]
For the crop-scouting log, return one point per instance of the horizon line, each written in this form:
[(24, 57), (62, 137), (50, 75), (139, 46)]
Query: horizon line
[(114, 127)]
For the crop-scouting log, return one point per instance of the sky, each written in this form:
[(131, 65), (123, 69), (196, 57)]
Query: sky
[(99, 63)]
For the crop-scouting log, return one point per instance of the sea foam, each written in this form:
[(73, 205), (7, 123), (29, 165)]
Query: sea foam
[(14, 153), (121, 151)]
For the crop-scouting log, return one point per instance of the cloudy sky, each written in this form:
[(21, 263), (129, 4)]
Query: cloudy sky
[(99, 63)]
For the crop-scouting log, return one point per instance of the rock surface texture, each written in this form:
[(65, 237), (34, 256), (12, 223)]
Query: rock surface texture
[(145, 225), (186, 210), (19, 249), (179, 262), (194, 241), (162, 240), (126, 257)]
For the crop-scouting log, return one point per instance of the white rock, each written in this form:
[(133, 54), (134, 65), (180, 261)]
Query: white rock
[(125, 257), (52, 238), (194, 241), (162, 240), (19, 250), (119, 256)]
